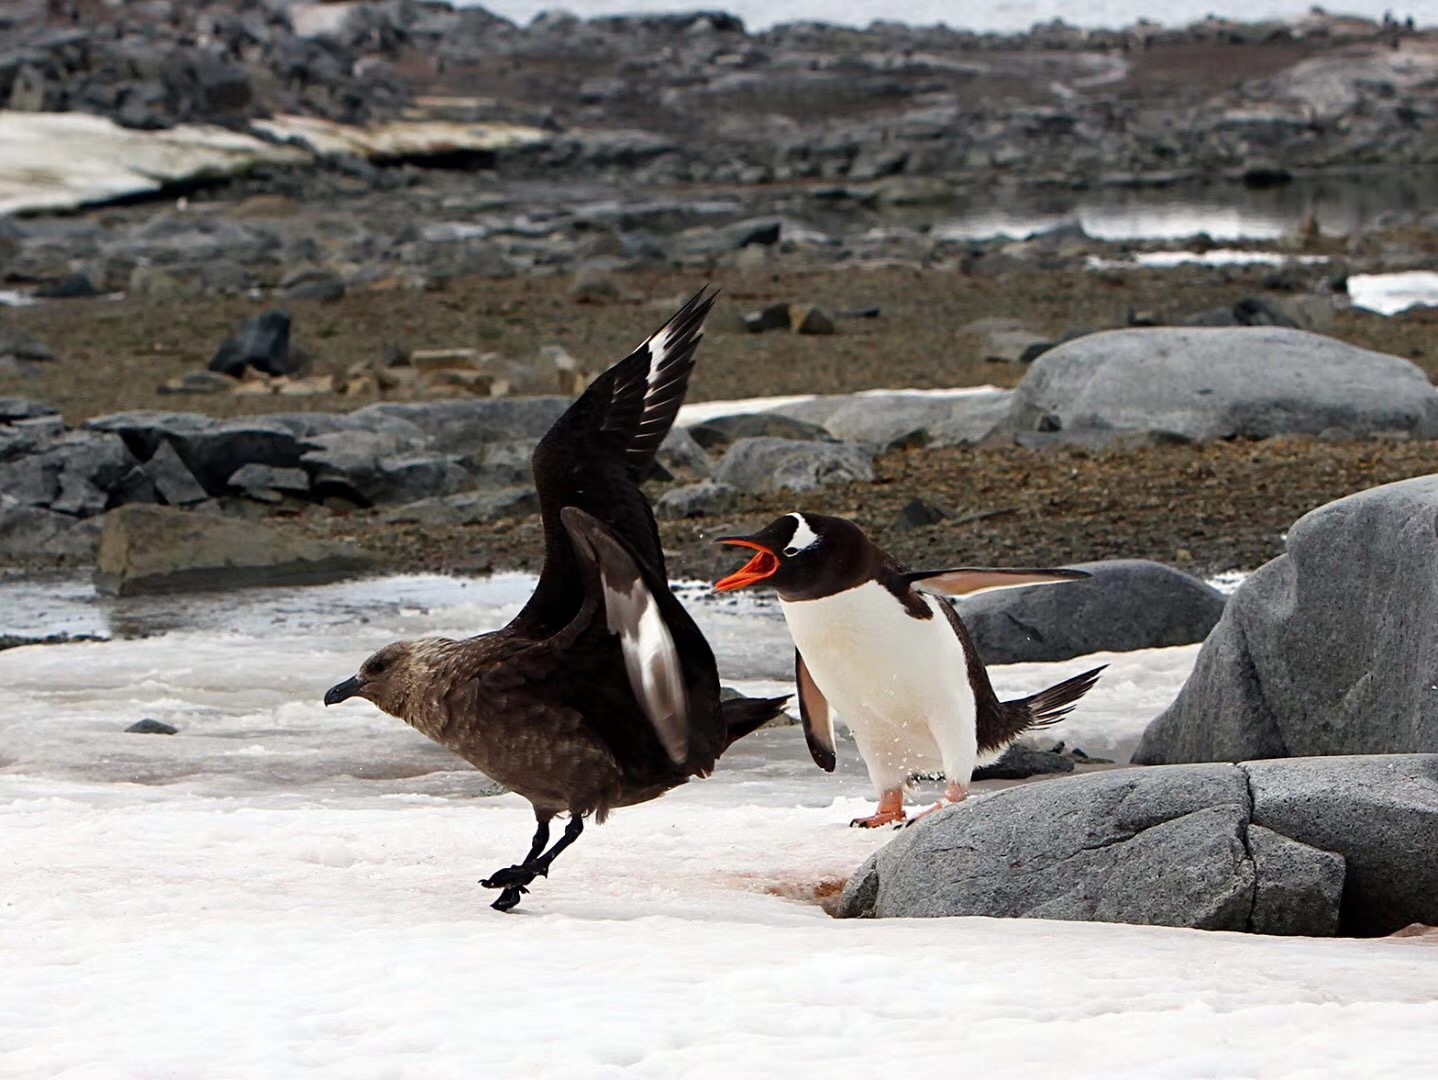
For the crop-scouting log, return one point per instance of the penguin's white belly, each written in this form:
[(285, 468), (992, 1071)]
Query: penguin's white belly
[(903, 679)]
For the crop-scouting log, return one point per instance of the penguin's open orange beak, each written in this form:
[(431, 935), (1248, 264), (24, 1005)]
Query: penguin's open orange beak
[(761, 567)]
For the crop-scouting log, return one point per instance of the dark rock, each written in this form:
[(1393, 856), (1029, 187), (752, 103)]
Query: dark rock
[(149, 549), (308, 283), (372, 469), (1127, 604), (719, 432), (212, 450), (918, 514), (70, 287), (770, 465), (271, 478), (695, 500), (680, 455), (150, 726), (34, 533), (15, 408), (172, 482), (1021, 761), (1299, 888), (1380, 814), (773, 317), (262, 343), (1329, 649)]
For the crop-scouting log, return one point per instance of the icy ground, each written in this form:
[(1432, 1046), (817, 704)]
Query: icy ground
[(283, 890)]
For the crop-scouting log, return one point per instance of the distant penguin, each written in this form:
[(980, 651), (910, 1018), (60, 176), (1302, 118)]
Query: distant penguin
[(874, 643)]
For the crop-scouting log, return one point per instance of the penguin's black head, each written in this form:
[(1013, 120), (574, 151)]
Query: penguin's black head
[(804, 556)]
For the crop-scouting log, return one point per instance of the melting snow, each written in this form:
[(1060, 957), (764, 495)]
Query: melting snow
[(285, 890)]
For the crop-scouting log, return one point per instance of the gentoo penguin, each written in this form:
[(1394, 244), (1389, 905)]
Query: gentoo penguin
[(601, 692), (874, 643)]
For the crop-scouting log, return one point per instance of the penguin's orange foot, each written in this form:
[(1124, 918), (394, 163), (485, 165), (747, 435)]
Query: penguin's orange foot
[(955, 793), (890, 812), (879, 820)]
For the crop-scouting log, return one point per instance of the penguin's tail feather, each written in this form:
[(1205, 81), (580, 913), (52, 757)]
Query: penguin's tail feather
[(1048, 707), (743, 715)]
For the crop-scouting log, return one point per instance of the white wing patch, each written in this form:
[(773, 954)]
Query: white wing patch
[(651, 660), (804, 537), (658, 347)]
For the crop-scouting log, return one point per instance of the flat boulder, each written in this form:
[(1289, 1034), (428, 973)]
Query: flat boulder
[(1127, 604), (1204, 383), (1330, 648), (770, 465), (1157, 847), (155, 549)]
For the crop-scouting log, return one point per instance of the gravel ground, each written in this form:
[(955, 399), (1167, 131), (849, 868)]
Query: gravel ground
[(1210, 508)]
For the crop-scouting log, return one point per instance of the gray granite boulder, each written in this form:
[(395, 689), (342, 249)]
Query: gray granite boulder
[(210, 449), (461, 426), (1379, 813), (1216, 383), (1331, 648), (17, 408), (1127, 604), (695, 500), (1160, 847), (1299, 888), (770, 465), (31, 532), (681, 455), (372, 470), (1311, 846)]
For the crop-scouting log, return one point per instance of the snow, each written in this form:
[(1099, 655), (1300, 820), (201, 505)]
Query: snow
[(1163, 260), (284, 890), (700, 412), (58, 161), (1389, 294)]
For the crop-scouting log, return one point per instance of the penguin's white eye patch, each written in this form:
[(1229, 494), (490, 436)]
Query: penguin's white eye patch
[(803, 538)]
